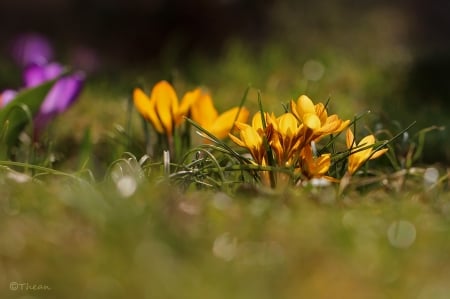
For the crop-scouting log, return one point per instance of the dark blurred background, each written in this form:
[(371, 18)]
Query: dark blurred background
[(407, 43), (133, 31)]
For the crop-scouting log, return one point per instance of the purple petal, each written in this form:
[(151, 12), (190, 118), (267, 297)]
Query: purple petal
[(31, 48), (36, 74), (63, 94), (7, 96)]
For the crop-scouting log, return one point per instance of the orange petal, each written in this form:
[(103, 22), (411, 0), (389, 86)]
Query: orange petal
[(147, 109), (186, 103), (141, 102), (166, 102), (203, 111), (225, 122)]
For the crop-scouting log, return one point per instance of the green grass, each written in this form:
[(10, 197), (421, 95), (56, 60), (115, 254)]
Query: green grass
[(84, 240)]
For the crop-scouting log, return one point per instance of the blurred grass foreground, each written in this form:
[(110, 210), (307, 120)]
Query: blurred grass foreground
[(159, 150)]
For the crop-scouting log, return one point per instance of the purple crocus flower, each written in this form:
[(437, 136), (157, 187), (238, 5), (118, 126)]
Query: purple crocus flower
[(31, 48), (33, 52), (60, 97)]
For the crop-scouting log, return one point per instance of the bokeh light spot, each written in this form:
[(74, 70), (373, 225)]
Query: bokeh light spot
[(401, 234), (313, 70)]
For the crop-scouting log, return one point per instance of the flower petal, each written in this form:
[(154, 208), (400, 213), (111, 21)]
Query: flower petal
[(321, 112), (203, 111), (349, 139), (141, 102), (305, 105), (187, 102), (31, 48), (225, 122), (62, 94), (7, 96), (311, 120), (322, 164), (166, 102), (236, 140), (366, 141), (294, 109), (37, 74), (287, 124), (146, 108), (379, 153)]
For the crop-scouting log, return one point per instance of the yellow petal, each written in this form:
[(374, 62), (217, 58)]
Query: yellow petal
[(343, 125), (203, 111), (305, 105), (366, 141), (257, 121), (294, 110), (321, 112), (354, 162), (251, 138), (141, 102), (225, 122), (166, 102), (243, 115), (379, 153), (186, 103), (332, 125), (349, 138), (311, 121), (322, 164), (236, 140), (287, 124), (147, 109), (240, 125), (275, 144)]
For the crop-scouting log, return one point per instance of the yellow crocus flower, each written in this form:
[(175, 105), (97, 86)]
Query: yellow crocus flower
[(315, 118), (162, 108), (204, 113), (286, 138), (314, 167), (359, 157), (250, 138)]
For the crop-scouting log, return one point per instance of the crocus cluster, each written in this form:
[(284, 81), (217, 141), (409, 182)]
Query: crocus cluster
[(34, 53), (166, 114), (289, 142)]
